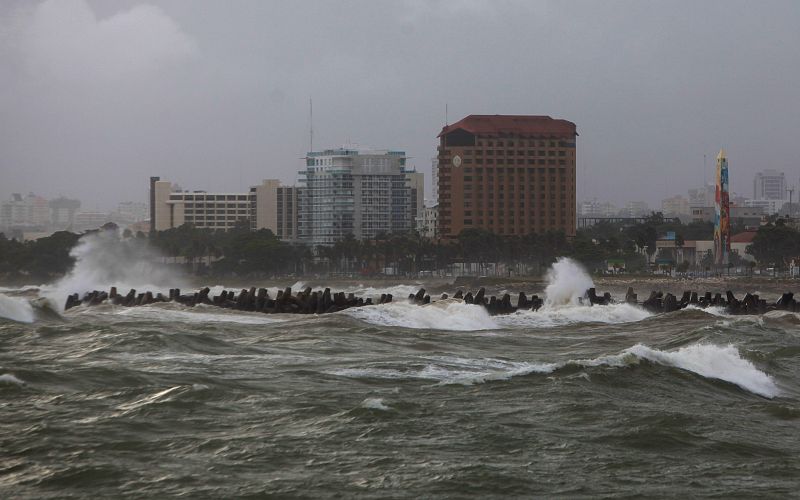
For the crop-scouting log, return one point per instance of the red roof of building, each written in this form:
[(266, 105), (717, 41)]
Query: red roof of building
[(494, 125), (745, 237)]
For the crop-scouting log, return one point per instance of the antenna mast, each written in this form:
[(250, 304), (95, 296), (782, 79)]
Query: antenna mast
[(310, 124)]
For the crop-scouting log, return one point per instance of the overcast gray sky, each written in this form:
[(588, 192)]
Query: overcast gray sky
[(96, 96)]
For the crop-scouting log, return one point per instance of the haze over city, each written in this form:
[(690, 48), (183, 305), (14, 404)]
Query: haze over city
[(97, 96)]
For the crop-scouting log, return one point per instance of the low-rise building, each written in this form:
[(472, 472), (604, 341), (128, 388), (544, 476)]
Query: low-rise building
[(266, 206)]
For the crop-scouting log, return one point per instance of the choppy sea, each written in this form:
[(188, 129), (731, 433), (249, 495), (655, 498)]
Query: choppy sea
[(396, 401)]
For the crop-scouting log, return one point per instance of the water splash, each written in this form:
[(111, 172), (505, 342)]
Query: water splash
[(103, 260), (567, 283), (19, 310)]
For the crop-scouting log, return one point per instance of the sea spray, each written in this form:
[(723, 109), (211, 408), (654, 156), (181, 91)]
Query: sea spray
[(103, 260), (16, 309), (567, 283)]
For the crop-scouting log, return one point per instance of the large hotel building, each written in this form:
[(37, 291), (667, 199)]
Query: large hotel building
[(511, 175)]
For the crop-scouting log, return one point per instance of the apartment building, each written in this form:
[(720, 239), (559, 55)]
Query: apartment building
[(359, 192)]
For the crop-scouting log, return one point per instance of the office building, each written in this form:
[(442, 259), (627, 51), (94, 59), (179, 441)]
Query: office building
[(512, 175), (360, 192)]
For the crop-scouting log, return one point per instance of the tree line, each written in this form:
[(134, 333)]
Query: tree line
[(241, 251)]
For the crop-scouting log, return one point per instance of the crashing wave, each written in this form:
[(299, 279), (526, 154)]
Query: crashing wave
[(707, 360)]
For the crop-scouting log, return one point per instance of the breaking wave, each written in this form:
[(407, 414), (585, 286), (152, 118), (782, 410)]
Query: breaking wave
[(707, 360), (549, 316), (441, 315), (15, 309)]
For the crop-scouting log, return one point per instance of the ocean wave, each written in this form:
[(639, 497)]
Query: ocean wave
[(375, 404), (550, 316), (16, 309), (451, 370), (707, 360), (8, 378), (440, 315), (198, 314)]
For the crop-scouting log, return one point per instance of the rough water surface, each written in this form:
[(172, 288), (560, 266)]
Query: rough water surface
[(396, 401)]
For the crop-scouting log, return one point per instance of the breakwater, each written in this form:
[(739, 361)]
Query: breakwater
[(309, 301)]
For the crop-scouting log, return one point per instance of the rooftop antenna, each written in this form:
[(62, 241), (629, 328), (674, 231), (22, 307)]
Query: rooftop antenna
[(704, 172), (310, 124), (445, 114)]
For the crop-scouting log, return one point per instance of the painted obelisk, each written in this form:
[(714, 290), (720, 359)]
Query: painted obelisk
[(722, 214)]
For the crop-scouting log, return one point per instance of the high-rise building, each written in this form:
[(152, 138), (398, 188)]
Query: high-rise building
[(358, 192), (769, 185), (512, 175)]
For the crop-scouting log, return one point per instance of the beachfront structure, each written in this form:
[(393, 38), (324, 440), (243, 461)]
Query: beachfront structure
[(355, 191), (508, 174), (722, 223), (267, 206)]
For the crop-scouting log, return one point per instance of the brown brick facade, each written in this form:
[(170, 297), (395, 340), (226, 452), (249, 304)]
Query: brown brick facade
[(512, 175)]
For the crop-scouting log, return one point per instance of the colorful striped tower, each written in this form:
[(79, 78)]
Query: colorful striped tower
[(722, 215)]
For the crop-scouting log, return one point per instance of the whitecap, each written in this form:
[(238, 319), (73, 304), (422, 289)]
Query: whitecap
[(441, 315), (8, 378), (550, 315), (707, 360), (375, 404)]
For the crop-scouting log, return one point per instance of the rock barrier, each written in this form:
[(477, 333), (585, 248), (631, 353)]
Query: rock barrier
[(323, 301)]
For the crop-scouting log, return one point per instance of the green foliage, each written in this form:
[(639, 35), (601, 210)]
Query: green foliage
[(38, 260), (775, 245)]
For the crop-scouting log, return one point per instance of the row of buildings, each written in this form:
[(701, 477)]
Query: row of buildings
[(31, 216), (346, 191), (512, 175), (770, 196)]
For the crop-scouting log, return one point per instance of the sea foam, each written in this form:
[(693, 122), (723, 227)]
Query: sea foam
[(441, 315)]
